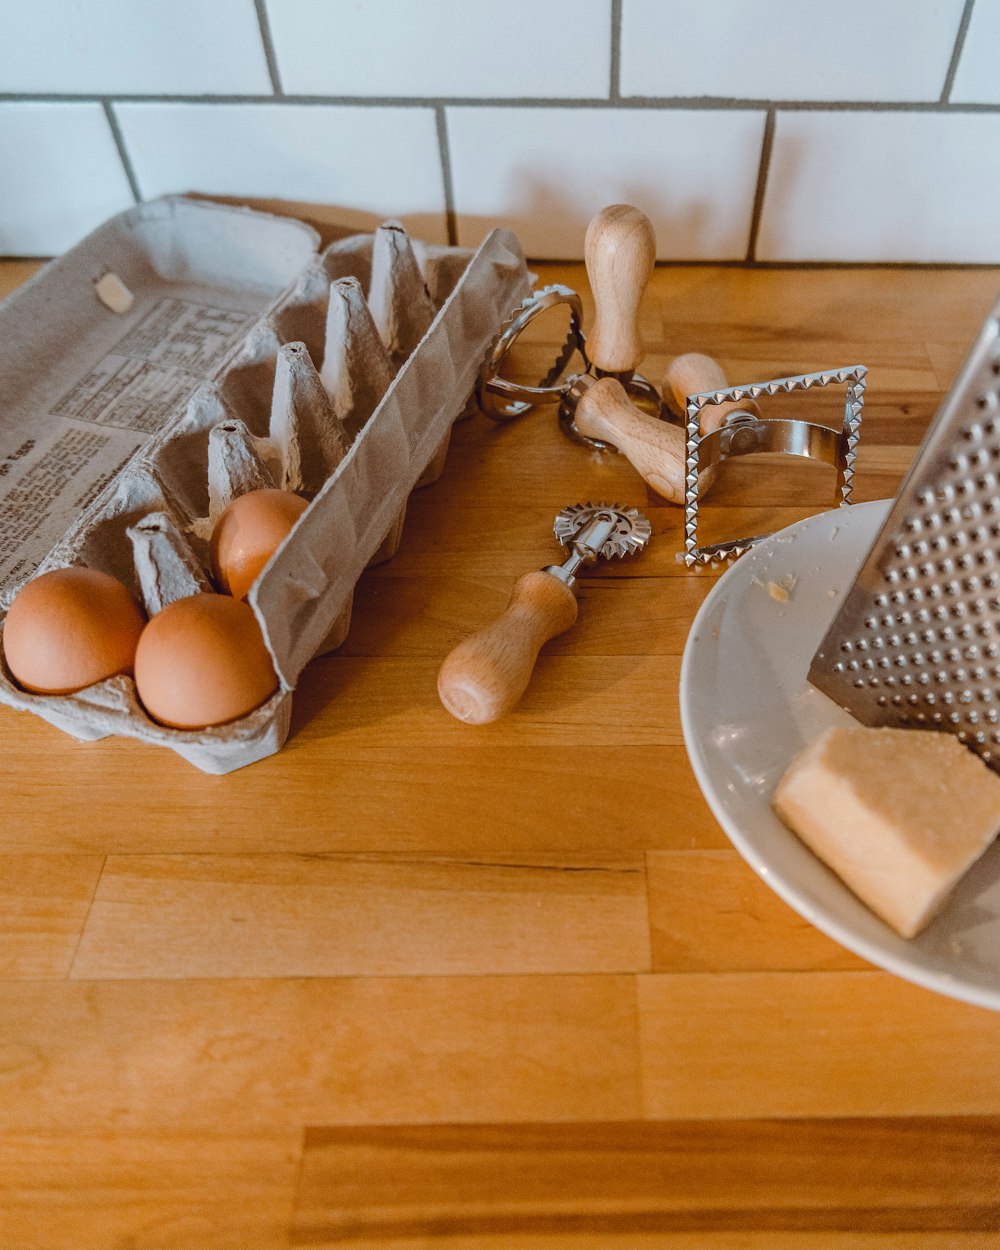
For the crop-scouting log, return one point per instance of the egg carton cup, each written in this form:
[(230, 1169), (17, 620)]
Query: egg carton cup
[(187, 352)]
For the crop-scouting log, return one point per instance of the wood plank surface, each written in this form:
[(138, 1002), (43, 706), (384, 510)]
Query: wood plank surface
[(373, 1186), (797, 1044), (312, 916), (414, 984), (245, 1054)]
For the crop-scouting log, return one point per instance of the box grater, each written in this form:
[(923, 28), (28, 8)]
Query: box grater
[(916, 641)]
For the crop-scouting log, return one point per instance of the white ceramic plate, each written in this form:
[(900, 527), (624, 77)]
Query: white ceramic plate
[(747, 708)]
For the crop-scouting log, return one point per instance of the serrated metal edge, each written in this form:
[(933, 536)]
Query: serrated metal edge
[(571, 520)]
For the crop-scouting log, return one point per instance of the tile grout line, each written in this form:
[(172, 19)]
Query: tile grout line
[(956, 54), (614, 85), (708, 104), (444, 149), (123, 152), (767, 143), (270, 56)]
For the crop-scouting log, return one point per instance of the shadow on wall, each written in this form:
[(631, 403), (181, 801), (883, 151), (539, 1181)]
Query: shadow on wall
[(337, 221), (550, 218), (777, 212)]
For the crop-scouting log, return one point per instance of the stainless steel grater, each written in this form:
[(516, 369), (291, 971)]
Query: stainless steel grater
[(916, 641)]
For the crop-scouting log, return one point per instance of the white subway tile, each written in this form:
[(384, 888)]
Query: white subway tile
[(133, 47), (62, 176), (978, 78), (534, 48), (883, 186), (371, 162), (788, 49), (544, 172)]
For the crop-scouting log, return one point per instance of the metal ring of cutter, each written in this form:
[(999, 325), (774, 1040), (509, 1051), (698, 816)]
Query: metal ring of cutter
[(501, 399)]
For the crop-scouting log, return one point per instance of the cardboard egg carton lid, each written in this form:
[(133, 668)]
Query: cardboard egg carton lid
[(187, 351)]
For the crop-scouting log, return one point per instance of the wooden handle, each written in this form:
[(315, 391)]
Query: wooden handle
[(692, 374), (653, 447), (620, 250), (487, 673)]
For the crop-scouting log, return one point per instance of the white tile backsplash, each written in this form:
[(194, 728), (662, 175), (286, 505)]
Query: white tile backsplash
[(458, 115), (132, 47), (544, 172), (533, 48), (62, 176), (373, 162), (978, 78), (788, 49), (883, 186)]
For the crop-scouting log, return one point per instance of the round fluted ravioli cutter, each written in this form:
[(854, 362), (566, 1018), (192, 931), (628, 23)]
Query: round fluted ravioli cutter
[(595, 404), (486, 675)]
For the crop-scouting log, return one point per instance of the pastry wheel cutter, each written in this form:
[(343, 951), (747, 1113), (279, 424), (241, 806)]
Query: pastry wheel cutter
[(916, 639), (486, 674)]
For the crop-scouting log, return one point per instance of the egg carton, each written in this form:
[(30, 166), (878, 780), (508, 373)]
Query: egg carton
[(187, 352)]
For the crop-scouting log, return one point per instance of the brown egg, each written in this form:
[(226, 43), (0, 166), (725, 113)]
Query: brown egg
[(248, 534), (202, 661), (70, 628)]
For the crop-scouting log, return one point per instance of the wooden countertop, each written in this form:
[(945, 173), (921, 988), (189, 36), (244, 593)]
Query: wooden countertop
[(412, 983)]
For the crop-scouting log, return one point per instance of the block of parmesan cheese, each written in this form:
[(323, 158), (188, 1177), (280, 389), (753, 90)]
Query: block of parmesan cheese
[(899, 814)]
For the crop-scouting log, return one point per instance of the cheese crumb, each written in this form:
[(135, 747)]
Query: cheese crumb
[(781, 591)]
